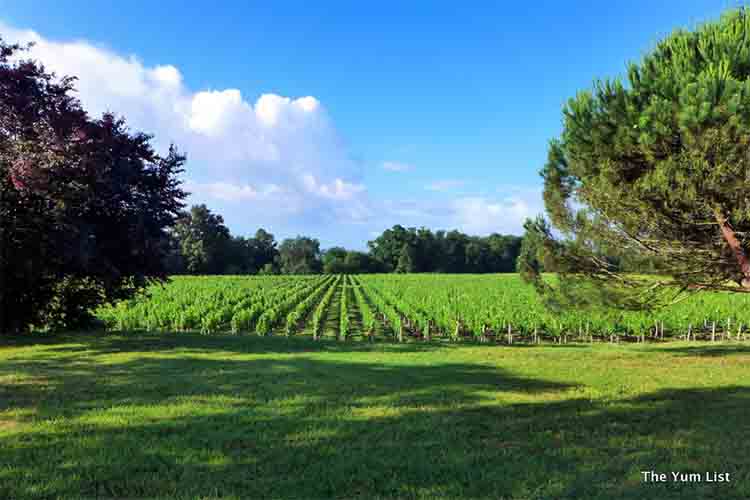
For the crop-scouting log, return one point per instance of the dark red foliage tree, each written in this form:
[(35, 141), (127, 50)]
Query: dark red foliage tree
[(84, 203)]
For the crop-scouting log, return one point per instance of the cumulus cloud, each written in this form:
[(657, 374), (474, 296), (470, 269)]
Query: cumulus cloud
[(479, 215), (275, 149), (336, 190), (395, 166), (483, 215), (234, 192), (275, 161)]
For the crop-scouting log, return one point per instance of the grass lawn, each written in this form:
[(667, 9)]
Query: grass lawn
[(187, 416)]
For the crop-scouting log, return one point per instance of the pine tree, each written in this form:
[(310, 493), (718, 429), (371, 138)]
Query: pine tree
[(659, 168)]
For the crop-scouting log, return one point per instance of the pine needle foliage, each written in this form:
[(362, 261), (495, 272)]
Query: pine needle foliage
[(656, 166)]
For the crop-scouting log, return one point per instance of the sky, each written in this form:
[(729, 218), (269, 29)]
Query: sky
[(338, 120)]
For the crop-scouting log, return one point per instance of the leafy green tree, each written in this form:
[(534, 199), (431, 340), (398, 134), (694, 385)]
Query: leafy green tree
[(268, 269), (359, 262), (263, 249), (503, 252), (174, 263), (427, 250), (657, 167), (333, 261), (300, 255), (386, 248), (204, 240), (406, 261), (84, 203), (477, 255), (454, 252), (338, 260), (238, 258)]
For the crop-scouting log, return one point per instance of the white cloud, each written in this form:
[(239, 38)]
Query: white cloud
[(395, 166), (336, 190), (234, 192), (272, 110), (213, 112), (167, 75), (445, 185), (276, 161), (481, 215), (276, 148)]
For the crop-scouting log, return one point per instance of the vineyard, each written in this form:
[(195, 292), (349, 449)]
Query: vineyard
[(481, 308), (376, 386)]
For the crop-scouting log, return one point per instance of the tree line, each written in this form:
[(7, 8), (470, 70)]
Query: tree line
[(200, 243)]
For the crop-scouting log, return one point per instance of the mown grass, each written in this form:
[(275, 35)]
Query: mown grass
[(188, 416)]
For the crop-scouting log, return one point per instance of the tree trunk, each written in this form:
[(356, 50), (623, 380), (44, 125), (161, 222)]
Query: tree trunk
[(736, 246)]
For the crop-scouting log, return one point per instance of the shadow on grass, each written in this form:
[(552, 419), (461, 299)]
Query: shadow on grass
[(172, 423), (100, 342), (114, 342), (711, 350)]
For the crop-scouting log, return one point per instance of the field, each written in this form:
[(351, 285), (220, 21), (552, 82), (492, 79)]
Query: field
[(196, 416), (375, 386), (484, 308)]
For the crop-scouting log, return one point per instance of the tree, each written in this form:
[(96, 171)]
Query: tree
[(174, 262), (454, 252), (657, 167), (531, 259), (84, 203), (300, 255), (427, 250), (204, 240), (504, 250), (478, 258), (263, 249), (359, 262), (386, 248), (333, 261), (269, 269), (406, 261), (338, 260), (238, 258)]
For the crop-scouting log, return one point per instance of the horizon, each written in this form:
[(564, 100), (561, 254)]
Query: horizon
[(341, 125)]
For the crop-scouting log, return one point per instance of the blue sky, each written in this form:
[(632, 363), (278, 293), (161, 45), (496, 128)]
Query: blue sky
[(340, 119)]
